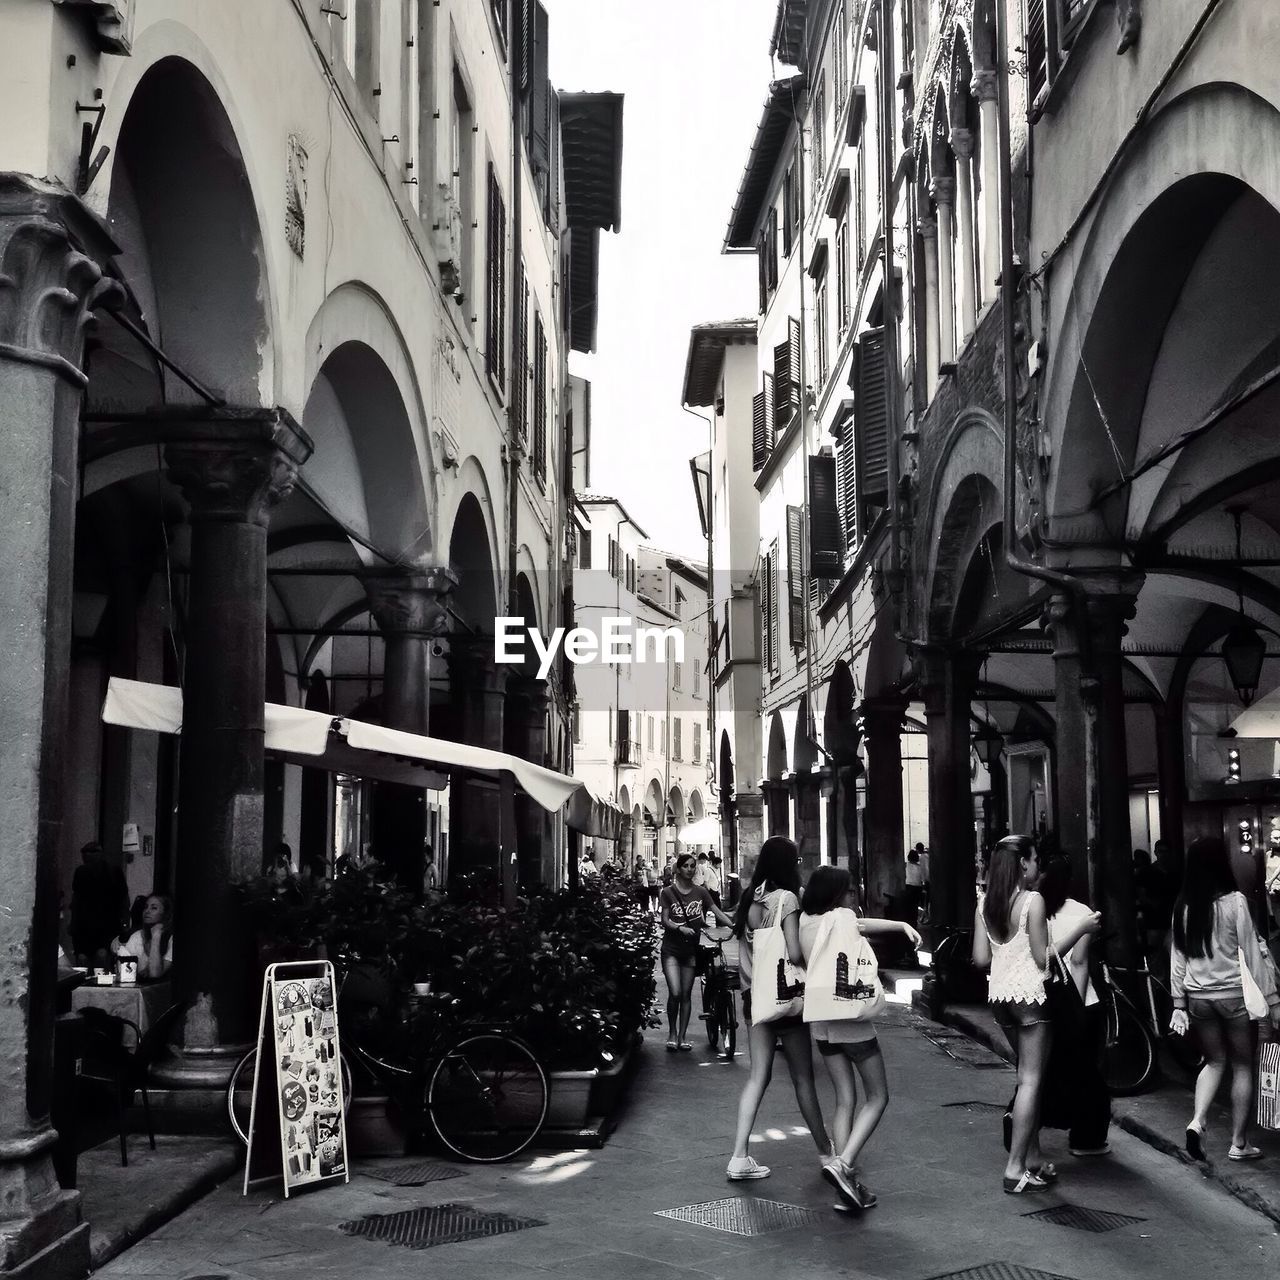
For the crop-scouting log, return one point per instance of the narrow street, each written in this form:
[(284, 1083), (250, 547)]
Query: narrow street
[(935, 1165)]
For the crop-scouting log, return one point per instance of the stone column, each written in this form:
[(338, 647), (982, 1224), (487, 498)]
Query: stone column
[(478, 827), (1092, 755), (1071, 796), (232, 468), (928, 229), (984, 90), (49, 285), (966, 244), (749, 810), (526, 705), (411, 609), (948, 683), (886, 872), (944, 194)]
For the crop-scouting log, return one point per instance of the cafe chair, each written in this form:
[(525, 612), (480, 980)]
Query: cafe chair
[(109, 1060)]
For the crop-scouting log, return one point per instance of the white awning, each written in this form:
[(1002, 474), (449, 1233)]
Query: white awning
[(341, 745), (704, 831)]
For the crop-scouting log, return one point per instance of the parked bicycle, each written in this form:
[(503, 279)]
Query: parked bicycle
[(1137, 1026), (719, 982), (478, 1088)]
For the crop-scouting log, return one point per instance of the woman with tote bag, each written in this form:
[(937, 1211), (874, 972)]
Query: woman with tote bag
[(769, 959), (842, 995), (1214, 945)]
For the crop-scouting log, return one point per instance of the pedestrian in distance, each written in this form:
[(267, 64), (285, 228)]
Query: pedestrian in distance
[(848, 1047), (1213, 934), (685, 907), (655, 886), (1075, 1090), (771, 898), (700, 871), (711, 880), (99, 904), (1011, 937)]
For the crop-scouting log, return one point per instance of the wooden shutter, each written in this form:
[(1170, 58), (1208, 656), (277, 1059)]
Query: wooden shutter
[(871, 420), (525, 36), (788, 227), (496, 261), (795, 576), (759, 445), (539, 401), (1037, 48), (762, 269), (826, 541), (539, 92), (553, 179), (846, 488), (768, 612), (786, 373), (771, 249), (675, 737), (520, 356), (770, 414)]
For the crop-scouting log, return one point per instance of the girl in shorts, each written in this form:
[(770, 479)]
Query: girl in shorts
[(684, 908), (849, 1045)]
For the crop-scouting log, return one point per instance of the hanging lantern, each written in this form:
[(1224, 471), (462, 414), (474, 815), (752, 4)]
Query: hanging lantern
[(1243, 651)]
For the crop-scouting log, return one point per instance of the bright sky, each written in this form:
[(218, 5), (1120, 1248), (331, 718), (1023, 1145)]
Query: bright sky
[(694, 74)]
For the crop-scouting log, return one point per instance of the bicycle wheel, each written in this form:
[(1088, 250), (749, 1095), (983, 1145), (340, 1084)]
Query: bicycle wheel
[(487, 1097), (1185, 1052), (240, 1093), (729, 1022), (711, 1012), (1129, 1056)]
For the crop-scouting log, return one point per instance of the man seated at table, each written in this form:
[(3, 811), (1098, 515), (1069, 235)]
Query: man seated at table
[(152, 944)]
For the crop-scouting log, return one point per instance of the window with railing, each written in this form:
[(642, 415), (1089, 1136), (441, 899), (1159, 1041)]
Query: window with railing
[(818, 134)]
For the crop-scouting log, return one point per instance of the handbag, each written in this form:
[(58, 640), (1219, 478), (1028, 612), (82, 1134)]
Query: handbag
[(1269, 1085), (777, 985), (1254, 1000), (843, 979)]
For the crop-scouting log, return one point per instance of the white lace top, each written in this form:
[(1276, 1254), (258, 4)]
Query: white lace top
[(1015, 977)]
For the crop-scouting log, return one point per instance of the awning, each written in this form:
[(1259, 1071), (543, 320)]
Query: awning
[(704, 831), (342, 745)]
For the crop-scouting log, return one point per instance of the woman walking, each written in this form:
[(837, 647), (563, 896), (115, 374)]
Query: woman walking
[(1011, 935), (1075, 1074), (1212, 929), (684, 909), (848, 1045), (772, 897)]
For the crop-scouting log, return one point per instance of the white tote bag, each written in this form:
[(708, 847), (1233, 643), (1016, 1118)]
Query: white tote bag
[(843, 980), (777, 985)]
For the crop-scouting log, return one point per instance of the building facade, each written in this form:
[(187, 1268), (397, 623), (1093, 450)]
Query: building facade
[(290, 292)]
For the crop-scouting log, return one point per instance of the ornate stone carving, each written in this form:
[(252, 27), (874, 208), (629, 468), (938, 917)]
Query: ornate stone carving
[(295, 196), (983, 86), (962, 143), (1129, 19), (49, 285), (415, 604), (943, 191), (237, 469)]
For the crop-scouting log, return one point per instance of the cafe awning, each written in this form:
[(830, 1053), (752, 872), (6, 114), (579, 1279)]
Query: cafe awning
[(342, 745)]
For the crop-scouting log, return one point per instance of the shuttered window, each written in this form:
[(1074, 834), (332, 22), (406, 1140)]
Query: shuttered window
[(846, 483), (839, 57), (786, 374), (795, 576), (1041, 46), (842, 274), (769, 610), (675, 737), (826, 539), (788, 211), (860, 213), (818, 126), (539, 86), (552, 206), (821, 359), (771, 251), (870, 420), (697, 743), (495, 350), (520, 356), (759, 450), (539, 401)]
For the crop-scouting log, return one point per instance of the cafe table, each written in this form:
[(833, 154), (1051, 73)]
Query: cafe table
[(141, 1003)]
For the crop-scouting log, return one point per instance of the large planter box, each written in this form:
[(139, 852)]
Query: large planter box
[(569, 1106)]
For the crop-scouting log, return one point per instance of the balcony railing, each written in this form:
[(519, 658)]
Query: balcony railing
[(628, 751)]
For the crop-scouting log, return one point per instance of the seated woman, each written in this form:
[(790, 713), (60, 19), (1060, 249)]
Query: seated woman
[(152, 944)]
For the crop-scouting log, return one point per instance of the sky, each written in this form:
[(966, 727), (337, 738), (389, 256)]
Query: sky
[(694, 74)]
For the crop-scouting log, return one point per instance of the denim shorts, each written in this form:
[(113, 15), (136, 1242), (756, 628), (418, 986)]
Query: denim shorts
[(855, 1051), (1013, 1015), (1226, 1012)]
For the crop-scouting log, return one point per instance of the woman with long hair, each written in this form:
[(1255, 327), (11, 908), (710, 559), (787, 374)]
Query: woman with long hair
[(1011, 935), (1212, 928), (152, 942), (685, 906), (850, 1045), (773, 897)]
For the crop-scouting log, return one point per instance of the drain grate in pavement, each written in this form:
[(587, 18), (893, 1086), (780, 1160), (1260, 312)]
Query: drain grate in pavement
[(742, 1215), (984, 1108), (435, 1224), (417, 1174), (1001, 1271), (1072, 1215)]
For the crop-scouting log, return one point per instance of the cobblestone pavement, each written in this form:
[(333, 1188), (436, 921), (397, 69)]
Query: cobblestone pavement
[(935, 1164)]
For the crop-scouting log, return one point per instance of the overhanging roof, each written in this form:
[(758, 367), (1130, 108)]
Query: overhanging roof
[(771, 135), (706, 353), (787, 43), (591, 148)]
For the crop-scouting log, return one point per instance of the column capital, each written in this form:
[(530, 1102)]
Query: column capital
[(411, 602), (943, 191), (962, 143), (234, 465), (1108, 608), (927, 228), (52, 252), (983, 86)]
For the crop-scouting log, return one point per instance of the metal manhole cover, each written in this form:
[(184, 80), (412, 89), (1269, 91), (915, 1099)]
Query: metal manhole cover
[(435, 1224), (417, 1174), (970, 1052), (1072, 1215), (1001, 1271), (996, 1108), (742, 1215)]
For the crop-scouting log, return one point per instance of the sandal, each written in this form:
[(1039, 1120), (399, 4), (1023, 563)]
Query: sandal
[(685, 1047), (1027, 1184), (671, 1046), (1045, 1172)]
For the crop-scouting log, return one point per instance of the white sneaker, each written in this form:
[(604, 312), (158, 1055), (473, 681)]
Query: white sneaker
[(745, 1168)]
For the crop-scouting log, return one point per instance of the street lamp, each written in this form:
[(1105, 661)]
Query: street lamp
[(1243, 649)]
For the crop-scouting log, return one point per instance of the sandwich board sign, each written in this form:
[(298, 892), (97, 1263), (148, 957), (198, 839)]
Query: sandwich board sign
[(297, 1121)]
